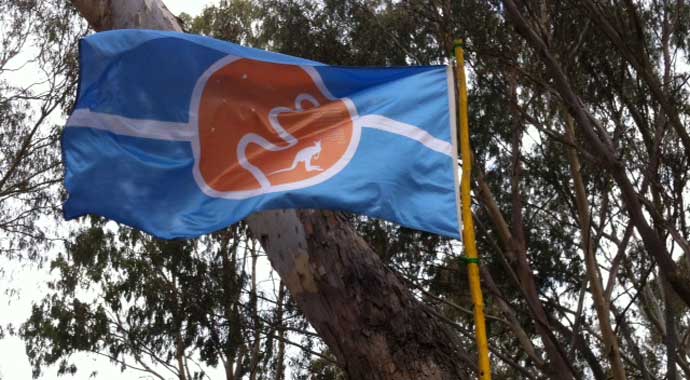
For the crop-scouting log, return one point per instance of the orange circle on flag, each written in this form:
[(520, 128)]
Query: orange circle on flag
[(265, 124)]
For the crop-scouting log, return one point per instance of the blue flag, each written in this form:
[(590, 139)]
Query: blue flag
[(181, 135)]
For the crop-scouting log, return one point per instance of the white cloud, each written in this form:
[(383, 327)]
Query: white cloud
[(191, 7)]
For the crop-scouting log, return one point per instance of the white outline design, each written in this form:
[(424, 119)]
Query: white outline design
[(189, 131), (291, 141), (321, 177), (383, 123)]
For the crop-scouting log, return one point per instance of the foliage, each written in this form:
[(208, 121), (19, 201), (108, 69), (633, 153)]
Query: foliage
[(37, 82), (153, 306), (142, 301)]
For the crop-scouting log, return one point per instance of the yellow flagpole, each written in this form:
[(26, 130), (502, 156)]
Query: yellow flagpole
[(471, 257)]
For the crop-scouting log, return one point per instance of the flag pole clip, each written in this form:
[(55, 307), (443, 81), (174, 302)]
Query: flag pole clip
[(469, 260)]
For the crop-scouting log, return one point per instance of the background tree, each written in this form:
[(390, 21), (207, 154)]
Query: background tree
[(579, 116), (37, 80), (159, 307)]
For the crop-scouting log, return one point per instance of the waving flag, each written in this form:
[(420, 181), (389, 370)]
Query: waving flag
[(180, 135)]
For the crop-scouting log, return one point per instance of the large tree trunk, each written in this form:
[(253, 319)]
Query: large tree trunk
[(368, 318)]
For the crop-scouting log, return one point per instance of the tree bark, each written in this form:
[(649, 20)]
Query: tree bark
[(640, 62), (516, 253), (280, 356), (254, 307), (601, 144), (601, 304), (369, 319), (634, 346)]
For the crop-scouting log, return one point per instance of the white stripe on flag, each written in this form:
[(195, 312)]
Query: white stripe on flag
[(410, 131), (152, 129), (165, 130)]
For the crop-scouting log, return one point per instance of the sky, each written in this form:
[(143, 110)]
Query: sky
[(30, 285), (191, 7)]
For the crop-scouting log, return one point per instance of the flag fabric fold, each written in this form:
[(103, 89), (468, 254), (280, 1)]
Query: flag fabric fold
[(181, 135)]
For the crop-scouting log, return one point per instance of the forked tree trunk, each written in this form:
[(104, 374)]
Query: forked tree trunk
[(601, 303), (368, 318), (601, 144), (559, 367)]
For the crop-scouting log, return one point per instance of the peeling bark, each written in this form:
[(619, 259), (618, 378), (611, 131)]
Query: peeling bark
[(127, 14), (365, 314)]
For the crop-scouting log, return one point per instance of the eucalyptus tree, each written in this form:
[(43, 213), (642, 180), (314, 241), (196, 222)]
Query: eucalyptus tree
[(162, 308), (578, 112), (634, 128), (38, 42), (570, 214)]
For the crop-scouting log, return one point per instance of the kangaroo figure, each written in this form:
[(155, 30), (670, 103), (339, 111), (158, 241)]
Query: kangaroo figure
[(305, 155)]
